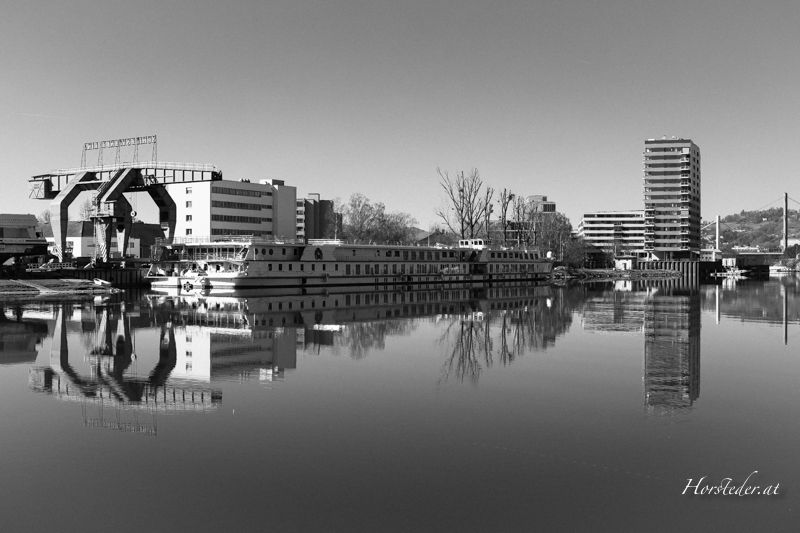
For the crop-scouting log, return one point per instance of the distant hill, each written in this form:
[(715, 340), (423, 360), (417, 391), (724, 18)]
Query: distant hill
[(753, 228)]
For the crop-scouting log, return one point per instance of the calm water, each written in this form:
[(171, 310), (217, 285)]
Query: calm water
[(585, 408)]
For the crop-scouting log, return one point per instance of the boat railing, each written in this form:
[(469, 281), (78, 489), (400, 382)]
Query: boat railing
[(209, 257), (215, 240)]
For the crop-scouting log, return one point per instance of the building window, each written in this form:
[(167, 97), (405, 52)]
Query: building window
[(189, 203), (188, 190), (188, 232), (188, 218)]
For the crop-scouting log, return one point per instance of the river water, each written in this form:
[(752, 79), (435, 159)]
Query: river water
[(580, 408)]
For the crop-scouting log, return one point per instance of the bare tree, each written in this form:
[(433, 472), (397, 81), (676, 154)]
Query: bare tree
[(464, 207), (519, 220), (487, 211), (333, 219), (506, 197), (86, 210), (368, 222), (552, 231)]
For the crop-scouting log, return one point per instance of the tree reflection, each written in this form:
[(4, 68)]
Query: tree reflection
[(508, 330), (361, 337)]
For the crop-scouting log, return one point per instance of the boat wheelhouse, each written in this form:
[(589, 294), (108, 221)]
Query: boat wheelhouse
[(232, 262)]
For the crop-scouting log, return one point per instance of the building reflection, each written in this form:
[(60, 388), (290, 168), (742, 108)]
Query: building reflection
[(166, 354), (667, 315), (671, 352), (19, 338), (107, 379)]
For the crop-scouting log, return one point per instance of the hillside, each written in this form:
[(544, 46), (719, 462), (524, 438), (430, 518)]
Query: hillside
[(763, 229)]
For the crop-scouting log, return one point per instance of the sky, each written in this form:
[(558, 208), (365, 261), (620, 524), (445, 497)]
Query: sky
[(335, 97)]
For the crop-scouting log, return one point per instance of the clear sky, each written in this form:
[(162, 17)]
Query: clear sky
[(552, 97)]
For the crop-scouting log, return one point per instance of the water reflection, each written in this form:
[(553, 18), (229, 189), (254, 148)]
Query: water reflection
[(107, 375), (667, 315), (88, 352), (19, 338), (772, 301), (500, 331), (671, 352)]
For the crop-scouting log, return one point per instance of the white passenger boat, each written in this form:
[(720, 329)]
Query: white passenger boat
[(241, 263)]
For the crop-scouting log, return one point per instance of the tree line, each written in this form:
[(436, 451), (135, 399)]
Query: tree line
[(360, 220), (468, 212)]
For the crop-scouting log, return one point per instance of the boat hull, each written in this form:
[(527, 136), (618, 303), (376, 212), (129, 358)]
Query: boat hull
[(227, 283)]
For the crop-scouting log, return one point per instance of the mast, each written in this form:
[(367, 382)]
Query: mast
[(785, 222)]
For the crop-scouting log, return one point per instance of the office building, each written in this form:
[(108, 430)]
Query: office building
[(540, 204), (672, 199), (617, 232), (211, 209)]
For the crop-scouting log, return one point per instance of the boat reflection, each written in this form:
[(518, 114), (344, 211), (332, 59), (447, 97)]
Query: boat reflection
[(171, 353)]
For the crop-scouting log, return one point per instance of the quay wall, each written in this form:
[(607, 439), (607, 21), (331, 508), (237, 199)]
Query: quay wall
[(690, 269), (119, 277)]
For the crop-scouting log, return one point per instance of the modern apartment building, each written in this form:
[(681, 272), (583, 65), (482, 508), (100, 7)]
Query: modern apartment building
[(214, 208), (671, 199), (620, 232)]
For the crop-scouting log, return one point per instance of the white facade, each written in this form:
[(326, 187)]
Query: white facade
[(207, 210), (621, 232), (84, 247)]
